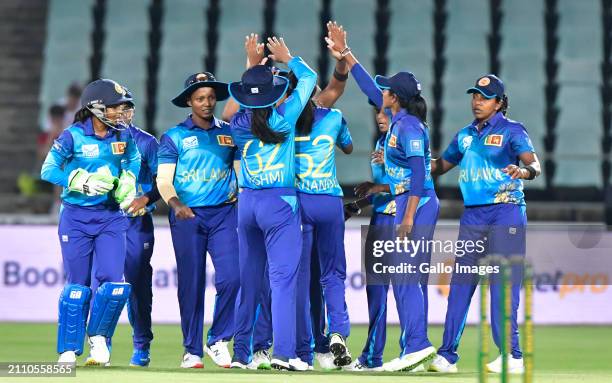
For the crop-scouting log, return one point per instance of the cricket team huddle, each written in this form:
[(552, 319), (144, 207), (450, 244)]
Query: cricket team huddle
[(274, 224)]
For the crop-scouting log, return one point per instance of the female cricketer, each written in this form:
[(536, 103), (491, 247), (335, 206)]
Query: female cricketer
[(196, 178), (268, 213), (96, 161), (488, 152), (407, 164)]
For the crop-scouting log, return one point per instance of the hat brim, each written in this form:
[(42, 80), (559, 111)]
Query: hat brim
[(220, 88), (475, 89), (382, 82), (260, 100)]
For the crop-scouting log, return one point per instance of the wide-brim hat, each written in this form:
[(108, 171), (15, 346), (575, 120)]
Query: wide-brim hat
[(258, 88), (200, 80)]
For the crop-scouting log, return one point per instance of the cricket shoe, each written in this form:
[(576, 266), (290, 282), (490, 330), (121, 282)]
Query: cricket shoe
[(410, 362), (191, 361), (357, 366), (261, 361), (99, 354), (337, 346), (219, 353), (237, 363), (515, 366), (67, 357), (294, 364), (140, 358), (440, 364), (326, 361)]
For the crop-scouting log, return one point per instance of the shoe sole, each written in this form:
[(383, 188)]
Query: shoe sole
[(199, 365), (425, 360), (341, 357), (279, 367)]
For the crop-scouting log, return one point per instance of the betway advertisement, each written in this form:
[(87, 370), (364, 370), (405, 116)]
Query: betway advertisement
[(571, 277)]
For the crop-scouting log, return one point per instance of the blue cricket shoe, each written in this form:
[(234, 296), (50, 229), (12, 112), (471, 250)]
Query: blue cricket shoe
[(140, 358)]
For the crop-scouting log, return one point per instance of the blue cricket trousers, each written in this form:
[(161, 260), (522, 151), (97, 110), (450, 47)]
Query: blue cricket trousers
[(213, 230), (268, 230), (504, 227)]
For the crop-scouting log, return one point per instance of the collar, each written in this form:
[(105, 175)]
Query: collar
[(499, 116), (399, 115), (88, 129), (190, 125)]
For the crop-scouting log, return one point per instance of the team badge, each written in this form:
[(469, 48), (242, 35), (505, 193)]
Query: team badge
[(225, 140), (466, 142), (494, 139), (90, 150), (201, 77), (484, 81), (119, 89), (190, 142), (118, 147), (393, 141), (415, 145)]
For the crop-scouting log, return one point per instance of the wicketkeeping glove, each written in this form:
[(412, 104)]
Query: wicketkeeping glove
[(91, 184), (126, 189)]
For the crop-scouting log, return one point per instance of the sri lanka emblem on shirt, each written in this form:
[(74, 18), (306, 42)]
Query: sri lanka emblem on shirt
[(118, 147), (494, 139), (90, 150), (225, 140), (190, 142), (393, 141), (466, 142)]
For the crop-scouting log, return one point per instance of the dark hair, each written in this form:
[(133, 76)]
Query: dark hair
[(415, 106), (505, 105), (303, 126), (261, 129), (82, 115)]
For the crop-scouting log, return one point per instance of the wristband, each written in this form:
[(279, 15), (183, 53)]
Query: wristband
[(345, 52), (339, 76), (532, 172)]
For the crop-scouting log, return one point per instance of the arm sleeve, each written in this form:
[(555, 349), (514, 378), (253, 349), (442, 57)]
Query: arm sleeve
[(165, 180), (307, 80), (520, 141), (344, 136), (152, 149), (131, 159), (367, 85), (452, 153), (53, 167), (417, 178), (167, 152)]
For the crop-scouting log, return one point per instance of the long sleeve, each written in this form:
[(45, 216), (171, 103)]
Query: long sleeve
[(131, 159), (417, 178), (307, 80), (367, 85), (152, 149), (53, 168)]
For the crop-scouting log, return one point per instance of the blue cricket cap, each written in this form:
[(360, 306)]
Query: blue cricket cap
[(489, 86), (404, 84)]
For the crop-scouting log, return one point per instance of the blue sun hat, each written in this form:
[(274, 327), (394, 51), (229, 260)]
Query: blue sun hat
[(489, 86), (258, 88), (404, 84), (200, 80)]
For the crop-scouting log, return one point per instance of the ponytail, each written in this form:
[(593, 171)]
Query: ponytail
[(504, 102), (261, 128), (82, 115), (417, 106), (304, 123)]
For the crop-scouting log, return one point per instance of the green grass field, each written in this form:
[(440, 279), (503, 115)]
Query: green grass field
[(562, 354)]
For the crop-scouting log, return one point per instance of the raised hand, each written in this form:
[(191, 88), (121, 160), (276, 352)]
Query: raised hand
[(336, 39), (278, 50), (254, 50)]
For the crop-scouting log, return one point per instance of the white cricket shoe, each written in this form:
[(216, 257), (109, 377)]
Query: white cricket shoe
[(239, 364), (515, 366), (192, 361), (219, 353), (67, 357), (337, 346), (261, 361), (411, 361), (440, 364), (326, 361), (99, 354), (295, 364), (357, 366)]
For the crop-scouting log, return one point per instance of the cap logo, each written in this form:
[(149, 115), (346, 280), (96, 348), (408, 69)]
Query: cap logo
[(255, 90), (119, 89), (418, 86), (484, 81), (201, 77)]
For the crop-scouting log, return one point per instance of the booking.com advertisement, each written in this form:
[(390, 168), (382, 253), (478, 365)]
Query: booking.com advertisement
[(571, 272)]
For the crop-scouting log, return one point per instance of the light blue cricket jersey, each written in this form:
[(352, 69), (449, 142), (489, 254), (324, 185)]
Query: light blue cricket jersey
[(147, 146), (407, 137), (481, 156), (204, 159), (382, 203), (315, 155), (79, 147), (266, 165)]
